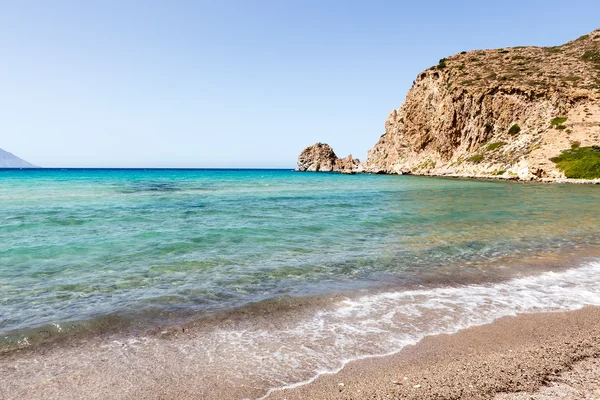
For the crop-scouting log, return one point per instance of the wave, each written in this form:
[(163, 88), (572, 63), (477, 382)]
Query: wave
[(286, 343), (384, 323)]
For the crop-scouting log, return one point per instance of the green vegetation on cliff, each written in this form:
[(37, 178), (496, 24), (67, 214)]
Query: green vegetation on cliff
[(579, 162), (494, 146), (558, 121), (514, 129)]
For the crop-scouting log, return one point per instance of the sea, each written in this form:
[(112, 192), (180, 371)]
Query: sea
[(274, 276)]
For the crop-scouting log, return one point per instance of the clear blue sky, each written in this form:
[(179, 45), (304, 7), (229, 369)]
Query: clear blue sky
[(235, 83)]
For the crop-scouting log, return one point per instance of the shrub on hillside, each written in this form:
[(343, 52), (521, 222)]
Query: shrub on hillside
[(579, 162), (513, 130), (558, 121)]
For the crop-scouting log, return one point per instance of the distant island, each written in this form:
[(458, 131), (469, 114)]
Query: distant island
[(526, 113), (9, 160)]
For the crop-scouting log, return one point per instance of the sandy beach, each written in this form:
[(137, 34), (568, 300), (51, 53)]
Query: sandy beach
[(536, 356), (549, 354)]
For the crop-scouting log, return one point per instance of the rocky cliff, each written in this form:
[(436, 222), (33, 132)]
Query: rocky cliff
[(503, 112), (321, 157)]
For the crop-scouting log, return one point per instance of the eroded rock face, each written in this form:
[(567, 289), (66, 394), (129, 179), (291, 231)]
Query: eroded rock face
[(318, 157), (346, 165), (321, 157), (493, 113)]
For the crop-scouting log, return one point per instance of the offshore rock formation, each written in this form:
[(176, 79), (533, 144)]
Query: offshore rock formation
[(318, 157), (321, 157), (501, 113), (347, 165)]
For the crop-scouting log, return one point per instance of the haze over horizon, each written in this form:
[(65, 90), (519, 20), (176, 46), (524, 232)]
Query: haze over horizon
[(234, 84)]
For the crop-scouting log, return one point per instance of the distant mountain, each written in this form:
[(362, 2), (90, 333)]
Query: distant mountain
[(9, 160)]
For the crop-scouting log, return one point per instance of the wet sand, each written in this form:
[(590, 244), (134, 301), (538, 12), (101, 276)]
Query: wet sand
[(552, 355), (514, 354)]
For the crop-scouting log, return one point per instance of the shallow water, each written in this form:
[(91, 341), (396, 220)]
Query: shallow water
[(249, 354), (76, 245)]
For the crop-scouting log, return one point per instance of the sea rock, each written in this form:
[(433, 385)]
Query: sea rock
[(346, 165), (318, 157), (493, 113), (321, 157)]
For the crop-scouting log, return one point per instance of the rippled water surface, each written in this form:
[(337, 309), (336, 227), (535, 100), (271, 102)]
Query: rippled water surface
[(81, 244)]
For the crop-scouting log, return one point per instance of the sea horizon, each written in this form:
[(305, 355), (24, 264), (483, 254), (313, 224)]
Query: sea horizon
[(148, 168)]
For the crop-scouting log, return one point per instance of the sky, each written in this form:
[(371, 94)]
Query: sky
[(216, 84)]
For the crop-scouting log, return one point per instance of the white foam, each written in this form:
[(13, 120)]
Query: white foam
[(382, 324), (267, 352)]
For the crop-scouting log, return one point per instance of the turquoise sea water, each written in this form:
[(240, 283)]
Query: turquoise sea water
[(76, 245)]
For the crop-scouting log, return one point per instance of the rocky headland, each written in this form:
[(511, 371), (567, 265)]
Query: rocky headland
[(528, 113)]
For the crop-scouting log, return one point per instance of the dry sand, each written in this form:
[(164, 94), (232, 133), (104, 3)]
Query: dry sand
[(553, 355), (581, 382)]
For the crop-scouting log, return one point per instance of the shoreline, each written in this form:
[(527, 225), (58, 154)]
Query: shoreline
[(513, 358), (178, 363), (514, 178), (505, 359), (40, 338), (517, 179)]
